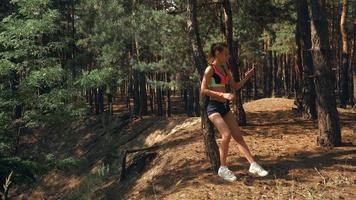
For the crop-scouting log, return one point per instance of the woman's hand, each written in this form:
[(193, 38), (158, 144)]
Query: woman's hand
[(250, 73), (229, 96)]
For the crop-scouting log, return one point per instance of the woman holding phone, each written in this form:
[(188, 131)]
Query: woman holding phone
[(216, 77)]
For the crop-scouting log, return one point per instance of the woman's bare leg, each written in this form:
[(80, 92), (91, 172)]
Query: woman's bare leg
[(225, 132), (237, 135)]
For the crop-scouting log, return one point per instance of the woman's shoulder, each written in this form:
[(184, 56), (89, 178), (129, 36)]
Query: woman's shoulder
[(209, 69)]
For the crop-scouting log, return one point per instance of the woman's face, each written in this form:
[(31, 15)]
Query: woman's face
[(223, 56)]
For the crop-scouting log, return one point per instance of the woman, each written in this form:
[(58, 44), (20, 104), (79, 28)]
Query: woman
[(216, 77)]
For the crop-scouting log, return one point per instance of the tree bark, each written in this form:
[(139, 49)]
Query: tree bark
[(101, 100), (152, 103), (211, 147), (354, 63), (306, 104), (196, 101), (143, 94), (269, 69), (297, 65), (96, 102), (328, 118), (276, 77), (344, 75), (168, 102), (136, 91), (159, 96), (241, 114), (286, 74)]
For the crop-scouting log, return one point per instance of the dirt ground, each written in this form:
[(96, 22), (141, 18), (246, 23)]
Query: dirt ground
[(281, 142)]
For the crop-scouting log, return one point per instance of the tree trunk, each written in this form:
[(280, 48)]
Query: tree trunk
[(276, 79), (286, 74), (96, 102), (328, 118), (241, 115), (140, 84), (354, 63), (168, 102), (196, 101), (159, 96), (152, 103), (297, 66), (211, 147), (306, 103), (190, 110), (185, 98), (101, 100), (110, 103), (143, 94), (129, 94), (344, 75), (267, 69), (255, 87), (136, 91)]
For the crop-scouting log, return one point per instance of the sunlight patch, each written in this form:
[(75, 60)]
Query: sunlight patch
[(159, 135)]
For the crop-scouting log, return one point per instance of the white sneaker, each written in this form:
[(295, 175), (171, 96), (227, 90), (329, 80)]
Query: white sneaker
[(257, 169), (226, 174)]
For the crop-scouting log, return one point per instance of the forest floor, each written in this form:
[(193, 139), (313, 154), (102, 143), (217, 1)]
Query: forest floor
[(281, 142)]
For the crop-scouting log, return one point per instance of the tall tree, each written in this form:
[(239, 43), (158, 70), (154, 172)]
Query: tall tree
[(328, 117), (33, 92), (354, 60), (211, 147), (241, 114), (344, 68), (306, 99)]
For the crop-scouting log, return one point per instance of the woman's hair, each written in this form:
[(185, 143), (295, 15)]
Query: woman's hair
[(215, 49)]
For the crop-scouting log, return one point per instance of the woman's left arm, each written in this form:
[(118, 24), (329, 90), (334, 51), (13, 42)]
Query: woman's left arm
[(238, 85)]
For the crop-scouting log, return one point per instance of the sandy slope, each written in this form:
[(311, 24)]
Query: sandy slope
[(281, 142), (284, 144)]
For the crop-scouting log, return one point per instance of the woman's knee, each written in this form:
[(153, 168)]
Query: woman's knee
[(226, 137)]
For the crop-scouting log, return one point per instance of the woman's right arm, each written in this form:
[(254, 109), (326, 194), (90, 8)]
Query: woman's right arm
[(204, 89)]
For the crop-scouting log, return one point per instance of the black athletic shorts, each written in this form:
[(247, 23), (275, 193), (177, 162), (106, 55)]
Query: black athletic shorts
[(217, 107)]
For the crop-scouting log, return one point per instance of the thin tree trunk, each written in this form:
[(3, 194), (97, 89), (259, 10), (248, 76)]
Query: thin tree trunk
[(110, 102), (276, 85), (141, 85), (96, 101), (190, 110), (354, 63), (136, 91), (196, 101), (297, 66), (241, 114), (185, 94), (269, 69), (211, 147), (344, 76), (152, 103), (255, 87), (280, 74), (168, 102), (286, 74), (159, 96), (306, 103), (100, 100), (143, 94)]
